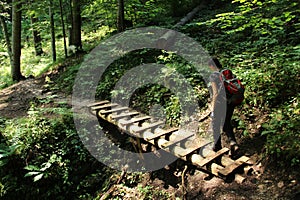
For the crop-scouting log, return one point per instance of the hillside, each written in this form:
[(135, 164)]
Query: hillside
[(41, 153)]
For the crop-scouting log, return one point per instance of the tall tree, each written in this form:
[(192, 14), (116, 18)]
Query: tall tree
[(120, 20), (4, 15), (76, 25), (7, 37), (52, 30), (63, 27), (16, 40), (37, 39), (70, 28), (175, 7)]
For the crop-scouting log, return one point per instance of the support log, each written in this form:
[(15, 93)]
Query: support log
[(190, 15), (169, 37), (215, 169), (231, 165)]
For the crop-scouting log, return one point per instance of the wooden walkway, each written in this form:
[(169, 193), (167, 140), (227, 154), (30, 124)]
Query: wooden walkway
[(180, 143)]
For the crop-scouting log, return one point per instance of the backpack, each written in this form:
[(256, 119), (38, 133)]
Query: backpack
[(233, 87)]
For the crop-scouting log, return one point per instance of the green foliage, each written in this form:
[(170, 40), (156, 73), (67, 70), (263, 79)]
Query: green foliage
[(65, 81), (282, 131), (146, 13), (163, 83), (263, 19), (270, 84), (6, 152), (31, 64), (43, 157), (104, 13), (257, 39), (148, 193)]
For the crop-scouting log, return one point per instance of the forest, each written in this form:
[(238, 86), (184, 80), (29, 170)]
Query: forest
[(45, 43)]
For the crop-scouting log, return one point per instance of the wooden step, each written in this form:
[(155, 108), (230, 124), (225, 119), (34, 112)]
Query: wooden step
[(98, 103), (105, 112), (150, 126), (165, 132), (215, 168), (228, 169), (135, 120), (195, 148), (174, 142), (110, 105), (126, 114), (212, 157)]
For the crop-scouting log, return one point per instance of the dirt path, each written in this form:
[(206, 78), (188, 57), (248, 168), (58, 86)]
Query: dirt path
[(264, 184), (15, 100)]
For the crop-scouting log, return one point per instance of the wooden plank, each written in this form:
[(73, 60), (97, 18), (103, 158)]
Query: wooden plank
[(105, 106), (113, 110), (98, 103), (173, 142), (122, 115), (165, 132), (192, 149), (213, 156), (228, 169), (215, 168), (226, 160), (239, 178), (153, 125), (135, 120)]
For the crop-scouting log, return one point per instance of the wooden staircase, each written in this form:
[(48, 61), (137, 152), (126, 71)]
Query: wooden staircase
[(180, 143)]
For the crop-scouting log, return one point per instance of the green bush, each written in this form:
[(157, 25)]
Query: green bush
[(43, 157), (257, 39), (282, 131)]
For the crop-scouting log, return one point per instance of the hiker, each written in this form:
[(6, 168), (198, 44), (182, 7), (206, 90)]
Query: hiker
[(221, 103)]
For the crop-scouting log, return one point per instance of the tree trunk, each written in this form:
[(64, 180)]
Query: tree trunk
[(52, 30), (76, 25), (190, 15), (7, 38), (16, 40), (63, 27), (175, 7), (170, 36), (70, 28), (37, 40), (120, 20)]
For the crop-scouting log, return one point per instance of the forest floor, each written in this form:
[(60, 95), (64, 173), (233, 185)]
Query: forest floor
[(268, 181)]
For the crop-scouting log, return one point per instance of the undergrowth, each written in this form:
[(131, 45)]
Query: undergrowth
[(42, 155), (257, 40)]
